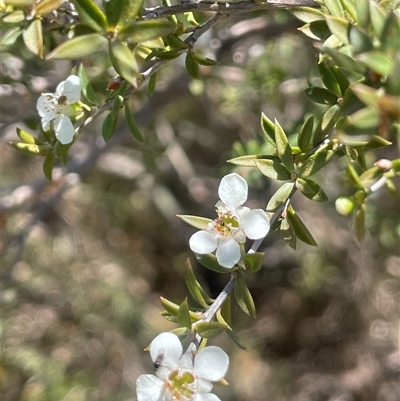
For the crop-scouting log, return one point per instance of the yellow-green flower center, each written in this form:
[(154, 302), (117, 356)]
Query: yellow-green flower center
[(226, 224), (181, 385)]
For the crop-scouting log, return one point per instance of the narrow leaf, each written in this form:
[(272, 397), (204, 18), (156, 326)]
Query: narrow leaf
[(243, 297), (305, 134), (273, 169), (183, 316), (307, 14), (87, 88), (141, 31), (192, 66), (283, 148), (209, 329), (299, 228), (287, 233), (280, 196), (195, 288), (311, 190), (48, 165), (33, 37), (130, 120), (377, 61), (315, 162), (268, 128), (329, 79), (210, 262), (198, 222), (91, 15), (321, 95), (254, 261), (338, 27)]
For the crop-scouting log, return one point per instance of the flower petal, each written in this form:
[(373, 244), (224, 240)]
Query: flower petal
[(233, 190), (206, 397), (47, 106), (72, 89), (211, 363), (228, 253), (148, 388), (64, 129), (256, 224), (202, 242), (168, 347)]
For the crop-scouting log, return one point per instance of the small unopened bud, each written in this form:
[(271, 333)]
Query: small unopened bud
[(384, 164)]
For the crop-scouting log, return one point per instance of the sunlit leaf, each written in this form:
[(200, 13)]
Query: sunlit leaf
[(121, 13), (195, 288), (10, 36), (311, 190), (87, 88), (33, 37), (243, 297), (307, 14), (273, 169), (305, 134), (123, 61), (338, 27), (192, 67), (283, 148), (280, 196), (198, 222), (315, 162), (363, 14), (268, 128), (287, 233), (209, 329), (301, 231), (390, 34), (78, 47), (47, 6), (334, 7), (141, 31), (91, 15), (183, 315), (377, 61), (26, 137)]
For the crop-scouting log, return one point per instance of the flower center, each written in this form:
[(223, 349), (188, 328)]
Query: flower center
[(227, 224), (181, 385)]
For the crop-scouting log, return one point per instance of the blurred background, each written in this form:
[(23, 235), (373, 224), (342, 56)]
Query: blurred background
[(86, 257)]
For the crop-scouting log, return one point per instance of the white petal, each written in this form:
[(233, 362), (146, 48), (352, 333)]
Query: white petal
[(149, 388), (256, 224), (233, 190), (47, 106), (211, 363), (228, 253), (166, 346), (72, 89), (186, 360), (206, 397), (64, 129), (46, 123), (203, 386), (202, 242)]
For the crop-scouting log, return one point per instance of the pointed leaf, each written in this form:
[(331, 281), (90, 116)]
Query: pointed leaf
[(254, 261), (130, 120), (315, 162), (307, 14), (365, 118), (360, 223), (204, 60), (311, 190), (377, 61), (121, 13), (224, 315), (390, 34), (183, 316), (195, 288), (123, 61), (243, 297), (378, 17), (91, 15), (329, 79), (26, 137), (273, 169), (362, 9), (209, 329), (366, 94), (191, 65), (141, 31), (280, 196), (10, 36), (299, 228), (341, 78), (47, 6), (334, 7), (87, 88), (360, 41), (33, 37), (283, 148), (14, 17), (198, 222), (287, 233), (344, 61), (268, 128), (321, 95), (48, 165), (305, 134), (152, 84), (246, 161), (78, 47), (338, 27), (316, 30), (354, 176), (169, 306)]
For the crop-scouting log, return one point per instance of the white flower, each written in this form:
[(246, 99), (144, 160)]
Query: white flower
[(234, 223), (57, 107), (181, 377)]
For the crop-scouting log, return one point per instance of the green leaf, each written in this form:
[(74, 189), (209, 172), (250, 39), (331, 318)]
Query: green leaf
[(254, 261), (231, 334), (174, 42), (268, 128), (280, 196), (87, 88), (169, 55), (315, 162), (224, 315), (360, 41), (209, 329), (109, 126), (169, 306), (329, 79), (334, 7), (305, 135), (192, 66), (246, 161), (350, 8), (183, 316), (365, 118), (307, 14), (393, 81), (123, 61), (152, 84), (204, 60), (390, 34), (243, 297), (210, 262), (353, 175), (377, 61), (378, 17), (338, 27), (91, 15), (366, 94), (78, 47), (47, 6), (326, 124), (362, 9), (26, 137), (121, 13), (273, 169), (299, 228), (321, 95), (20, 3), (130, 120), (198, 222), (341, 78), (377, 142), (14, 17), (195, 288), (141, 31), (283, 148), (360, 223), (61, 151), (33, 37), (48, 165), (316, 30), (29, 148), (10, 36), (287, 233), (344, 61), (311, 190)]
